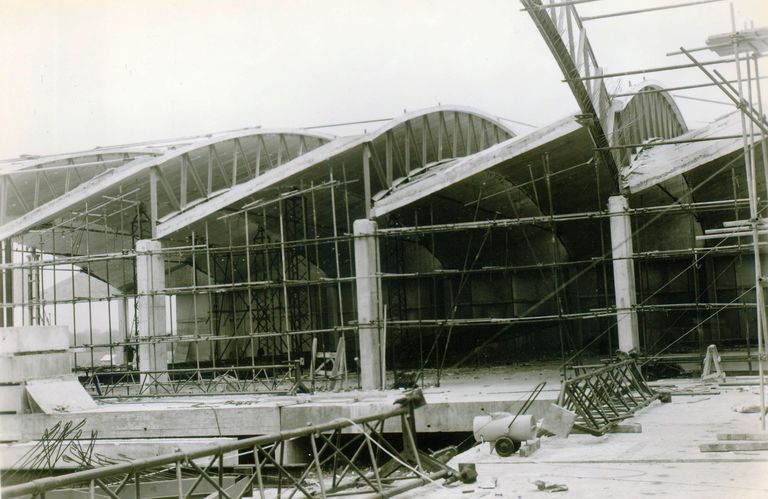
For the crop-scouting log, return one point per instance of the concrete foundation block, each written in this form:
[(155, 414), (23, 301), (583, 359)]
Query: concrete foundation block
[(13, 399), (28, 339), (10, 427), (20, 368)]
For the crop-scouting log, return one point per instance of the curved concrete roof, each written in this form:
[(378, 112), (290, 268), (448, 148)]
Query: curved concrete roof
[(108, 176), (621, 103), (334, 148)]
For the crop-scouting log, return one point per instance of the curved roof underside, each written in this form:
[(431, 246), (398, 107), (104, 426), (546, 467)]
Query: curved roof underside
[(187, 171), (182, 181), (459, 154)]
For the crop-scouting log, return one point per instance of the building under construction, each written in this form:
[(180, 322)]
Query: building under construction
[(290, 260)]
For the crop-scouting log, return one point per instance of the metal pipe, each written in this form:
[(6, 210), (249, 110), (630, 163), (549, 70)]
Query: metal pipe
[(650, 70), (673, 142), (670, 89), (650, 9), (724, 86), (699, 99), (749, 162), (558, 4), (508, 222)]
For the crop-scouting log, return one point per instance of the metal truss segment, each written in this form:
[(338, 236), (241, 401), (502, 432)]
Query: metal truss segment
[(604, 396)]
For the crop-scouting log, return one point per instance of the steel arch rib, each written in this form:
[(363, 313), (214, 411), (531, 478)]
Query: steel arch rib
[(308, 160), (131, 170), (570, 69), (29, 165), (620, 104)]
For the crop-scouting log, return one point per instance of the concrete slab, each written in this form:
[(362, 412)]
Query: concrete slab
[(463, 394), (20, 368), (657, 164), (54, 396), (13, 399), (28, 339), (664, 460), (152, 420), (10, 427)]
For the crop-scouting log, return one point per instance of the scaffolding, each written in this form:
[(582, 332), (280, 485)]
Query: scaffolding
[(515, 261)]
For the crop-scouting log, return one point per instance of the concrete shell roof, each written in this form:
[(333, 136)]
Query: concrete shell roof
[(93, 176), (110, 168), (654, 165), (620, 103)]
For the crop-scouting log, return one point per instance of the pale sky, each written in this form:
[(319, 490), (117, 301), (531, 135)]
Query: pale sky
[(75, 74)]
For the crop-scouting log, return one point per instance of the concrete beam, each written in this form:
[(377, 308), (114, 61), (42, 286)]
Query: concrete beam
[(623, 274), (369, 306), (150, 279)]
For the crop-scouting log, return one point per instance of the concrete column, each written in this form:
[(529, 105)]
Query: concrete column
[(150, 278), (623, 274), (19, 292), (7, 285), (369, 306)]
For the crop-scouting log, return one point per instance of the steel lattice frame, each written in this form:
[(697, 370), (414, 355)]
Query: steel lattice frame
[(336, 467)]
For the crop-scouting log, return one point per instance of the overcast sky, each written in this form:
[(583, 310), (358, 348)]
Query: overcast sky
[(75, 74)]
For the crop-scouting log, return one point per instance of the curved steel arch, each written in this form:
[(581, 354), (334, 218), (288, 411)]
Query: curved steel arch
[(566, 37), (446, 132), (29, 183), (174, 171), (657, 88), (414, 139), (650, 113), (444, 108)]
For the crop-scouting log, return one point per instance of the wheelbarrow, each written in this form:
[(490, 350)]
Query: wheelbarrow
[(506, 431)]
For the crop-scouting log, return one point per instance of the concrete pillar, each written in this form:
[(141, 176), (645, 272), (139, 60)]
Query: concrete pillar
[(369, 306), (623, 274), (150, 278), (7, 285), (19, 289)]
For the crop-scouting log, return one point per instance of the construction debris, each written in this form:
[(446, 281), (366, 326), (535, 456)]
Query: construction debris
[(760, 437), (733, 446), (550, 487), (488, 483), (529, 447), (557, 421), (747, 409), (468, 472)]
